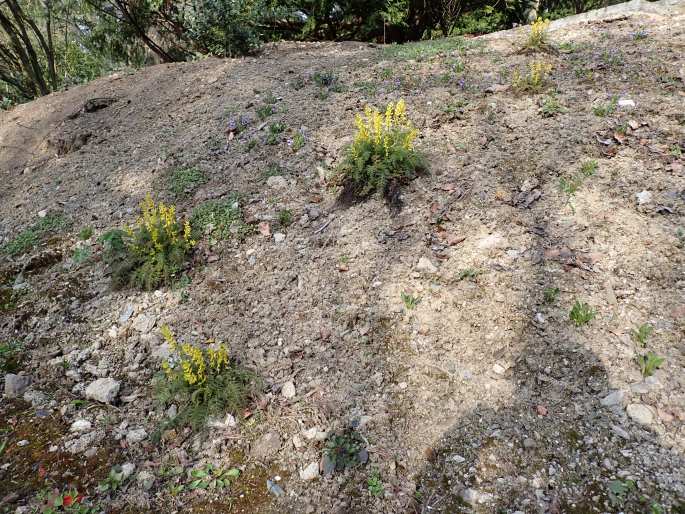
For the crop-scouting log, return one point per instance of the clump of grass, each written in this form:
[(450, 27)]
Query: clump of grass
[(382, 156), (649, 363), (534, 80), (203, 381), (29, 238), (10, 356), (581, 313), (424, 50), (325, 78), (220, 219), (150, 253), (589, 168), (81, 255), (186, 180), (285, 218), (551, 294), (605, 109), (410, 301), (468, 274)]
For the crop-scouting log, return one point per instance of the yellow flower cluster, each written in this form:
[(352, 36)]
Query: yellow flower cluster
[(195, 363), (538, 33), (161, 223), (387, 130), (537, 75)]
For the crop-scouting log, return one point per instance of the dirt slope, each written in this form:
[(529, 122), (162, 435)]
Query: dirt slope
[(483, 398)]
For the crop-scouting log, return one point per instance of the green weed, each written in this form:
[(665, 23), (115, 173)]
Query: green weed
[(589, 168), (468, 273), (581, 313), (344, 449), (374, 484), (410, 301), (618, 490), (642, 334), (297, 142), (210, 477), (285, 218), (264, 111), (86, 233), (11, 356), (649, 363), (424, 50), (27, 239), (220, 219), (186, 180), (551, 107), (605, 109), (81, 255)]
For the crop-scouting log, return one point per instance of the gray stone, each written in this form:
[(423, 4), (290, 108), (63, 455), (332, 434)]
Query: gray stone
[(127, 470), (426, 266), (15, 385), (126, 313), (640, 413), (327, 465), (274, 488), (473, 497), (266, 446), (279, 237), (620, 432), (288, 390), (35, 398), (81, 444), (136, 435), (277, 182), (639, 388), (311, 472), (144, 323), (613, 398), (103, 390)]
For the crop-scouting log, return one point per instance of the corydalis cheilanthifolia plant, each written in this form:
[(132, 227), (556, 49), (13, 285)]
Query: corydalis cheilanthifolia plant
[(203, 381), (382, 156), (151, 252)]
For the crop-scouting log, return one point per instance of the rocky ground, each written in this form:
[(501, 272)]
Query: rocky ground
[(484, 397)]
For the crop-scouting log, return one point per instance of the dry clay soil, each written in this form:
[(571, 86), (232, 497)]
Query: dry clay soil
[(485, 397)]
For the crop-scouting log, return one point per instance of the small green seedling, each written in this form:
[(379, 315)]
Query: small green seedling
[(571, 186), (604, 110), (649, 363), (551, 294), (589, 168), (374, 484), (81, 255), (285, 218), (468, 273), (642, 333), (551, 106), (618, 491), (581, 313), (264, 111), (211, 477), (410, 301), (86, 233)]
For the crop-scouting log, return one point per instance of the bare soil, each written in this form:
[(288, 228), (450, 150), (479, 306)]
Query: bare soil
[(484, 398)]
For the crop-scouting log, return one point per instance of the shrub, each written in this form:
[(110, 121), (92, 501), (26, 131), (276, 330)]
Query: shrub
[(535, 79), (204, 381), (382, 156), (152, 252), (221, 219)]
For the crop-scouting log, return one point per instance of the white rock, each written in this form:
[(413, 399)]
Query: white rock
[(492, 241), (126, 313), (643, 197), (426, 266), (640, 413), (499, 369), (613, 398), (103, 390), (311, 472), (43, 213), (288, 390), (145, 479), (81, 425), (626, 102), (473, 497), (310, 433), (127, 470), (279, 237)]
